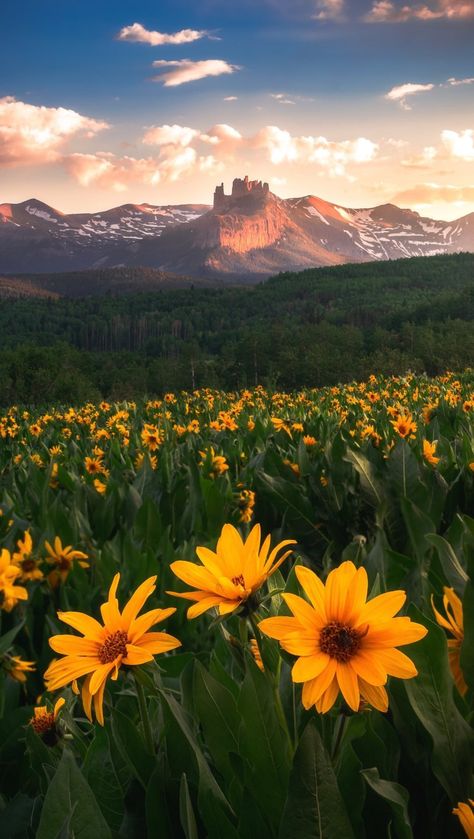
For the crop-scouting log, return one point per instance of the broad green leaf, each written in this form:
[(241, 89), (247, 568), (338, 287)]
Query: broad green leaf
[(217, 713), (7, 640), (314, 808), (186, 812), (455, 573), (100, 773), (131, 747), (396, 797), (431, 696), (369, 483), (70, 796)]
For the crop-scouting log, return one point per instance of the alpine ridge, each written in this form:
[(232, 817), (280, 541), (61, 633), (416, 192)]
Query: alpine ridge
[(248, 235)]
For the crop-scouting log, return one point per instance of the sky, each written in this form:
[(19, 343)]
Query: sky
[(360, 102)]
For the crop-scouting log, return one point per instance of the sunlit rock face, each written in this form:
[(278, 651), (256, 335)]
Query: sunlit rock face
[(249, 234)]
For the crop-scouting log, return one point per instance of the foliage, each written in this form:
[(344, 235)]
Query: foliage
[(212, 739)]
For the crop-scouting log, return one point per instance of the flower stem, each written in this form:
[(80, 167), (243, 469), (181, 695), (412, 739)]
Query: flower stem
[(144, 716), (339, 731)]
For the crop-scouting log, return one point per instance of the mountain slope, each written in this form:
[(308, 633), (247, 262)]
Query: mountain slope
[(249, 234)]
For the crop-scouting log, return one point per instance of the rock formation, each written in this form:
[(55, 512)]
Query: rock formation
[(241, 188)]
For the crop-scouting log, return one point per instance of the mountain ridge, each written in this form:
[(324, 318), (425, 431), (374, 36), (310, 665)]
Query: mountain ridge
[(250, 234)]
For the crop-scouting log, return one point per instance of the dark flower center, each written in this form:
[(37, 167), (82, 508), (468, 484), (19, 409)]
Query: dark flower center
[(238, 581), (28, 565), (340, 641), (43, 722), (113, 646)]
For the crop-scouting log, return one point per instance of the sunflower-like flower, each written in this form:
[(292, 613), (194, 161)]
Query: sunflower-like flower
[(17, 668), (8, 575), (344, 642), (454, 623), (24, 559), (62, 557), (465, 814), (231, 575), (122, 639), (44, 721), (404, 425), (429, 452)]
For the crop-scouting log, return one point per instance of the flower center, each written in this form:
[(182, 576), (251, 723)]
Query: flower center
[(42, 721), (239, 581), (113, 646), (28, 565), (340, 641)]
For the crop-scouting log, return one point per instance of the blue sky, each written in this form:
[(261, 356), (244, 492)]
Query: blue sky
[(319, 103)]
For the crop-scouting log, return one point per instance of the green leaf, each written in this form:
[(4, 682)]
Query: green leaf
[(131, 747), (431, 697), (467, 648), (7, 640), (100, 773), (314, 808), (70, 796), (453, 570), (368, 482), (186, 812), (184, 752), (263, 742), (396, 797), (217, 712)]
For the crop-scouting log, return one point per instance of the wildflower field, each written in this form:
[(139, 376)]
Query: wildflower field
[(240, 614)]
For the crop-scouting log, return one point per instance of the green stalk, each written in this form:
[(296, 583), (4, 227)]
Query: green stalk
[(339, 731), (275, 684), (144, 716)]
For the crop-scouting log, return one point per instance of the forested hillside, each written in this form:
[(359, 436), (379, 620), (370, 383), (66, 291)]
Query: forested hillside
[(316, 327)]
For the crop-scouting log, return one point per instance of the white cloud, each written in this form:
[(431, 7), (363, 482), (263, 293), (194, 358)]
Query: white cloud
[(400, 93), (33, 134), (162, 135), (456, 82), (184, 70), (282, 98), (333, 156), (459, 144), (385, 11), (138, 34)]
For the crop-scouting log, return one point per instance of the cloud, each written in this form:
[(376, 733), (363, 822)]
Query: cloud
[(138, 34), (385, 11), (421, 161), (34, 134), (329, 9), (456, 82), (282, 98), (333, 156), (432, 193), (162, 135), (400, 92), (230, 98), (459, 144), (186, 70), (118, 173)]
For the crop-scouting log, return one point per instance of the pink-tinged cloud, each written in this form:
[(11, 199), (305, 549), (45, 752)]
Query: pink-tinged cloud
[(110, 171), (432, 193), (400, 92), (138, 34), (329, 9), (163, 135), (459, 144), (184, 70), (385, 11), (423, 160), (34, 134)]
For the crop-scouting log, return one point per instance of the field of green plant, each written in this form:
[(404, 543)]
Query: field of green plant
[(240, 614)]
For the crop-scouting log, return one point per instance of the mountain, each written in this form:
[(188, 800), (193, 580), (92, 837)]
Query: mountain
[(249, 234)]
